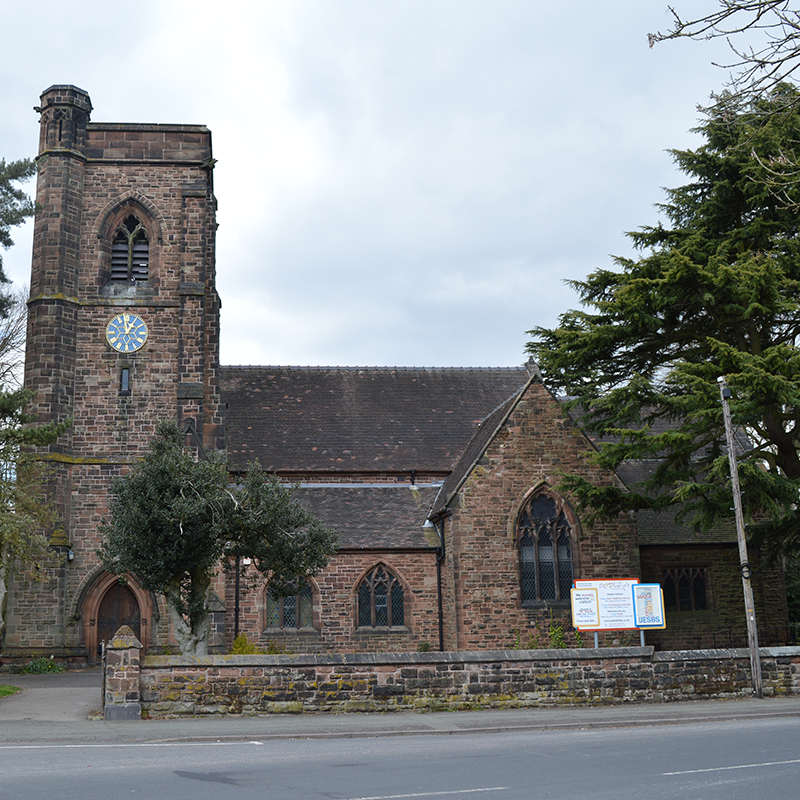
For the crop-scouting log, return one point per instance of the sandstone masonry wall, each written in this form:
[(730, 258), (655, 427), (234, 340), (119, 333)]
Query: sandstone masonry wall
[(175, 686), (537, 445), (722, 623), (335, 628)]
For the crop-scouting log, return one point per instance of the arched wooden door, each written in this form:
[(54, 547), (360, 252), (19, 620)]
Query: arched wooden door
[(118, 607)]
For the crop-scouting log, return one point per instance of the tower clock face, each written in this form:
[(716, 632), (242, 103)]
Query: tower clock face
[(126, 333)]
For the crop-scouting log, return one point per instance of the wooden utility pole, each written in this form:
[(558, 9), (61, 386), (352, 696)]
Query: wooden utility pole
[(744, 564)]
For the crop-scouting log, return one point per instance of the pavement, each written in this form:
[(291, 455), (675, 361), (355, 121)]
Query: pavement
[(71, 696), (65, 708)]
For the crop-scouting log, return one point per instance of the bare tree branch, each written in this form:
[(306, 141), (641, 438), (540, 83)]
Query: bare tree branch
[(12, 339), (758, 67)]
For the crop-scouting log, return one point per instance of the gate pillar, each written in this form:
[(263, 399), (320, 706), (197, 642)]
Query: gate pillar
[(121, 698)]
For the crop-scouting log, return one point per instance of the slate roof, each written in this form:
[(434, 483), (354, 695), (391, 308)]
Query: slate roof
[(358, 419), (384, 516), (634, 473), (658, 426), (390, 420), (660, 528)]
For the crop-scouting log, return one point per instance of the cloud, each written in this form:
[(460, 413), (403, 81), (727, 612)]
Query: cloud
[(400, 182)]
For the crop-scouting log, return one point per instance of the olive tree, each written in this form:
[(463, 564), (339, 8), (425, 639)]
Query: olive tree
[(175, 520)]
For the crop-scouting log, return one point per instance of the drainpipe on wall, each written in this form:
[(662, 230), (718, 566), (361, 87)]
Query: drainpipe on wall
[(236, 602), (439, 560)]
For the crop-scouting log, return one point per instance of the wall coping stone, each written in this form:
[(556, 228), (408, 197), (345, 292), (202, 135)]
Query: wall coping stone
[(124, 639), (377, 659), (462, 657), (724, 654)]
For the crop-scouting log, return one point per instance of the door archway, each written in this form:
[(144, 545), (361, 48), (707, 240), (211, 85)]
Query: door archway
[(117, 608), (109, 604)]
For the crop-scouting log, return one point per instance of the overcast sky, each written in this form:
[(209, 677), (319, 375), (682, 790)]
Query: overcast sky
[(400, 182)]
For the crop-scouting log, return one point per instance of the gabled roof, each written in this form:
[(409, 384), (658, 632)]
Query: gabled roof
[(653, 528), (475, 449), (358, 419), (660, 527)]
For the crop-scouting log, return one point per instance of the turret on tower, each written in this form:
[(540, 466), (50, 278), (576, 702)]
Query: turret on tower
[(65, 114)]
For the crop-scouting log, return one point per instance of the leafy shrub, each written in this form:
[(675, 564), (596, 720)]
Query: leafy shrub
[(242, 646), (42, 665), (554, 638)]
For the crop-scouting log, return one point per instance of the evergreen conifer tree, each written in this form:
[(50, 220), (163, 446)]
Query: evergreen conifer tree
[(715, 291)]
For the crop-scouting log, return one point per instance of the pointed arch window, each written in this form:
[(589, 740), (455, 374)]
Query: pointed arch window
[(545, 537), (380, 599), (292, 611), (130, 252)]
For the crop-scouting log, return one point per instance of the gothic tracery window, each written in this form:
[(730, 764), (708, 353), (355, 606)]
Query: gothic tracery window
[(544, 536), (130, 252), (685, 588), (380, 599)]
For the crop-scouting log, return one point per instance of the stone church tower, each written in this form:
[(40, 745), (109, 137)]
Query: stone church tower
[(123, 331)]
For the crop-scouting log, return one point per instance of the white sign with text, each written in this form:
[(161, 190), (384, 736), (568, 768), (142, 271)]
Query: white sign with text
[(614, 604)]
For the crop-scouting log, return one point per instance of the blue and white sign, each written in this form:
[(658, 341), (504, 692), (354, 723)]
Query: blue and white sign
[(648, 605)]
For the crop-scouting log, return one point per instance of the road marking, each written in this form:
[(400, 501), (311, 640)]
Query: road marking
[(431, 794), (121, 744), (736, 766)]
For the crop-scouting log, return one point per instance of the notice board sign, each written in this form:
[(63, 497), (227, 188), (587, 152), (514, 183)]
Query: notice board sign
[(585, 609), (614, 611), (648, 606)]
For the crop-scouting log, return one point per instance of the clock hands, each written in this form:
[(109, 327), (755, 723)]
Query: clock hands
[(126, 332)]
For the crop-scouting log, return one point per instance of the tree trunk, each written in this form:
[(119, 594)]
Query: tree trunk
[(3, 595), (192, 634)]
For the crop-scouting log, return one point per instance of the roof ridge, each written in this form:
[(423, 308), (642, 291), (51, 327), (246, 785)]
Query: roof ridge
[(364, 485), (310, 368)]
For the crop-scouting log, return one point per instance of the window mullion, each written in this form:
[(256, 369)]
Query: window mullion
[(130, 253), (390, 600), (554, 537)]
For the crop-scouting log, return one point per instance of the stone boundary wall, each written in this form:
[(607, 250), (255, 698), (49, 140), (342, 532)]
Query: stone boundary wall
[(173, 686)]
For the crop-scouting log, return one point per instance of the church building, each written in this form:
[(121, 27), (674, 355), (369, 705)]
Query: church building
[(442, 484)]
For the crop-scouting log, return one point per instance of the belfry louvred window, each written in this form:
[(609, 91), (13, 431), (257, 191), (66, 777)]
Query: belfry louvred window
[(130, 252), (544, 535)]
